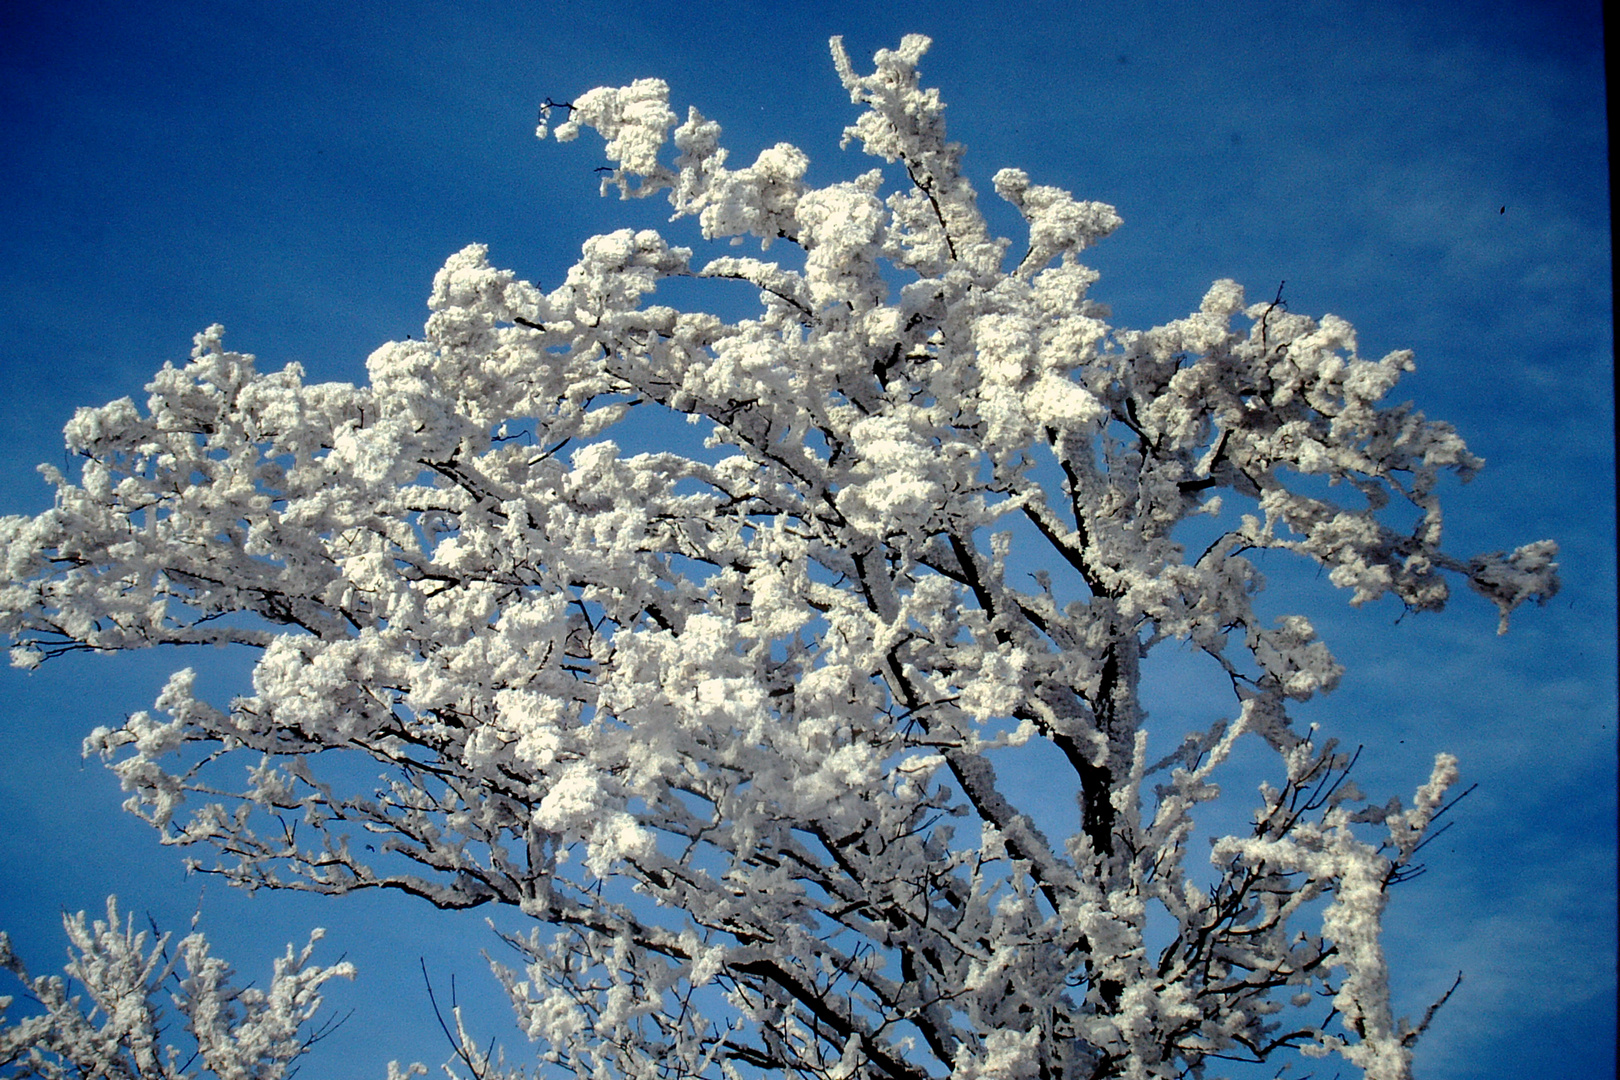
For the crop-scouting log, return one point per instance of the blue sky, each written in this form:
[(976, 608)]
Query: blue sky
[(1435, 173)]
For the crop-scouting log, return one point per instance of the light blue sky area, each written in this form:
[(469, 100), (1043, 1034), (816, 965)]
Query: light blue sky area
[(1435, 173)]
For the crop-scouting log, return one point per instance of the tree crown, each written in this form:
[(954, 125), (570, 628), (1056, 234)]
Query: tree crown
[(728, 724)]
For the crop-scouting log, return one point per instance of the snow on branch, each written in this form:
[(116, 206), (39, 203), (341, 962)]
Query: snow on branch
[(108, 1017)]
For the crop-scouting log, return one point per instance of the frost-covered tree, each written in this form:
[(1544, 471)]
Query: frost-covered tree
[(235, 1033), (726, 724)]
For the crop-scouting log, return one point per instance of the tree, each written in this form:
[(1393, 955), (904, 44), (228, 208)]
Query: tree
[(237, 1033), (725, 725)]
